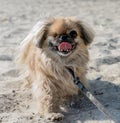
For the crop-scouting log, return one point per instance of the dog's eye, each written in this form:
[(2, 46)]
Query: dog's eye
[(55, 35), (73, 34)]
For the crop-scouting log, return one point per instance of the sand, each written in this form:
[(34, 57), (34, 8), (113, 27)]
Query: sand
[(17, 17)]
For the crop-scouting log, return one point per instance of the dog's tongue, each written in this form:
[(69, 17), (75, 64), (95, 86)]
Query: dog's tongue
[(64, 46)]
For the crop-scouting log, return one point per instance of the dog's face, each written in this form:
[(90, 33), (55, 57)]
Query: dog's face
[(64, 36)]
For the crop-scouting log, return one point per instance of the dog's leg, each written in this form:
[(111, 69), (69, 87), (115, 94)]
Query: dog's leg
[(48, 101)]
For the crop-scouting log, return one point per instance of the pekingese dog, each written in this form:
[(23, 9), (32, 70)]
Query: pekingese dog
[(45, 53)]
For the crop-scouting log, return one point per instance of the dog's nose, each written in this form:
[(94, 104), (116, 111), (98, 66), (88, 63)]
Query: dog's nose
[(63, 37)]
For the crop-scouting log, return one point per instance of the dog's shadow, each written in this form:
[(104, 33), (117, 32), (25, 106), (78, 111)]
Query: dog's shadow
[(80, 109)]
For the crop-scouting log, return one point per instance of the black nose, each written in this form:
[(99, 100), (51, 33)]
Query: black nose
[(63, 37)]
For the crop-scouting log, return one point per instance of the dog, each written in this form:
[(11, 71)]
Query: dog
[(44, 54)]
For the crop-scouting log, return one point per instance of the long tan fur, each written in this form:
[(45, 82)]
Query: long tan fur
[(46, 71)]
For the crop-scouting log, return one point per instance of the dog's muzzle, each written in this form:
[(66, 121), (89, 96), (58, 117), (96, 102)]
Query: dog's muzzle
[(64, 46), (64, 43)]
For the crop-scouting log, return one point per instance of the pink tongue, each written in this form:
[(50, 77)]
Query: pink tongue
[(64, 46)]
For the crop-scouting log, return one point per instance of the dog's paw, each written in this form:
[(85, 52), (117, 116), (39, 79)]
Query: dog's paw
[(54, 116)]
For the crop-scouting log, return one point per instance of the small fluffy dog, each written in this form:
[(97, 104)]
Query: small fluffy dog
[(45, 53)]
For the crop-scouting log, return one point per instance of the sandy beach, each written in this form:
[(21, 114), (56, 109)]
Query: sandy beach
[(17, 17)]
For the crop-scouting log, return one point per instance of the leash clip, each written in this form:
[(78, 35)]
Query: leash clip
[(76, 80)]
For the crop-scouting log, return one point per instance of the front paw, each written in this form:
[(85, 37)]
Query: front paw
[(54, 116)]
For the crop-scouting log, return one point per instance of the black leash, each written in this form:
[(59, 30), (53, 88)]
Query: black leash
[(77, 81), (89, 95)]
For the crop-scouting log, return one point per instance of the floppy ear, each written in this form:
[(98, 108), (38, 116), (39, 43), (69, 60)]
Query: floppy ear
[(36, 37), (87, 33), (41, 37), (40, 33)]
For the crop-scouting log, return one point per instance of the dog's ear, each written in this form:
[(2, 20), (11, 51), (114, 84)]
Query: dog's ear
[(41, 37), (87, 33), (41, 33)]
